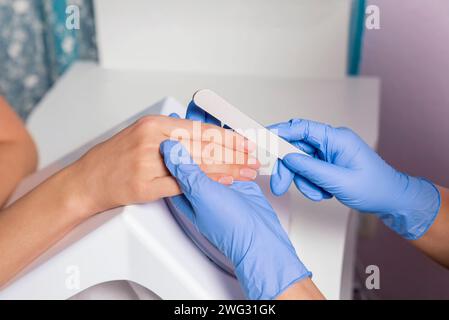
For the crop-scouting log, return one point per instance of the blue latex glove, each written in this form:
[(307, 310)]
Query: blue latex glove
[(241, 223), (195, 113), (344, 166)]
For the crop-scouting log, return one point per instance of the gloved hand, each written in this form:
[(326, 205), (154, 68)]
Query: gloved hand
[(344, 166), (240, 222)]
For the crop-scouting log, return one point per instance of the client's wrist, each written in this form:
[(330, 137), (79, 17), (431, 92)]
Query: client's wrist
[(75, 194)]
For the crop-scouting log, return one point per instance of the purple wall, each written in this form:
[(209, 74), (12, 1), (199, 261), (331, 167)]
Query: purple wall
[(410, 54)]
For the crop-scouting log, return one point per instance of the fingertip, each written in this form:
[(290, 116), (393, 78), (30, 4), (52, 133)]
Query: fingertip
[(226, 180), (310, 194), (195, 113), (310, 190), (314, 197), (281, 179), (174, 115), (305, 147), (275, 190), (275, 126), (248, 173), (283, 130), (293, 158), (296, 161), (327, 195)]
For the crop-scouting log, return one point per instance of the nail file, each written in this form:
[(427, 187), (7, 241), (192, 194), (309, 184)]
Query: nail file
[(218, 107)]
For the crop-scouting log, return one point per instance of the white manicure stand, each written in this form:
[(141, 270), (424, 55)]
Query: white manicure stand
[(144, 244), (141, 243)]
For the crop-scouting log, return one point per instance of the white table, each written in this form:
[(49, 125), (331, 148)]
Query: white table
[(88, 100)]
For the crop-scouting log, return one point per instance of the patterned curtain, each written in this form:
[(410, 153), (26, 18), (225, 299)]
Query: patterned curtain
[(36, 47)]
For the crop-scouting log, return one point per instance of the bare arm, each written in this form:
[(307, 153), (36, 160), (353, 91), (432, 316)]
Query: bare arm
[(30, 225), (18, 156), (302, 290), (435, 242), (125, 169)]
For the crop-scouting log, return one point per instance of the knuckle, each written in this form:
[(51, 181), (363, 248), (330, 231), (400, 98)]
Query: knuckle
[(295, 122), (145, 130), (346, 132), (150, 122)]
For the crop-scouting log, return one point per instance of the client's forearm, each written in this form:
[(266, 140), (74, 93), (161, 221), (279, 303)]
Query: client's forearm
[(18, 156), (33, 223), (17, 159)]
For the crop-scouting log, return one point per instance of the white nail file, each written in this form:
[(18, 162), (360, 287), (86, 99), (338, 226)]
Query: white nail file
[(218, 107)]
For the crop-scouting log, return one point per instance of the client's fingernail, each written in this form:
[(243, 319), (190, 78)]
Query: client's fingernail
[(226, 180), (248, 173)]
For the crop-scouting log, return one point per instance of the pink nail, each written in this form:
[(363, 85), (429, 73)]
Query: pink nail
[(226, 180), (248, 173)]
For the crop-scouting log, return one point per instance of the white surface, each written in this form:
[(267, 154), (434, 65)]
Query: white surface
[(140, 243), (116, 290), (89, 99), (252, 37)]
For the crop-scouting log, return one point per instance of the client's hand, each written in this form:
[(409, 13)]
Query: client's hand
[(241, 223), (128, 167), (125, 169)]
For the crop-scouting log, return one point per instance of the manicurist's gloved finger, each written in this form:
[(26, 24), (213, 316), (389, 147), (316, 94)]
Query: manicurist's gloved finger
[(321, 173), (240, 222), (310, 190), (313, 133), (174, 115), (195, 113), (281, 178), (303, 146), (347, 168), (180, 164)]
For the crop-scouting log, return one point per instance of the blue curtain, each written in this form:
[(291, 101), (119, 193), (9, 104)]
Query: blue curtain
[(36, 47)]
